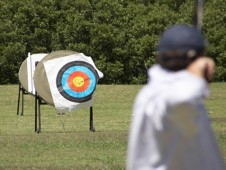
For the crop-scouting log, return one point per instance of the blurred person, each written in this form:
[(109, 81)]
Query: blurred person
[(170, 129)]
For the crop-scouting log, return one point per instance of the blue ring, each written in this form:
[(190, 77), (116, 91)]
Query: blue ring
[(72, 93)]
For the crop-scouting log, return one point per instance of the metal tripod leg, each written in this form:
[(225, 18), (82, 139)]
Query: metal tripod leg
[(21, 93), (91, 128), (18, 101), (36, 107), (37, 114)]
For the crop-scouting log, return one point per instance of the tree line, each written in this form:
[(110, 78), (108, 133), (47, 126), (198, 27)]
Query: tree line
[(121, 36)]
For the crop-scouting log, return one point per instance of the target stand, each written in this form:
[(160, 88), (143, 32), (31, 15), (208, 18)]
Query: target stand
[(26, 84), (91, 127), (20, 101), (39, 101), (65, 80)]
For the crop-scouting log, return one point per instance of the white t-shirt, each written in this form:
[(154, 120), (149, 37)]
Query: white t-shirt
[(170, 128)]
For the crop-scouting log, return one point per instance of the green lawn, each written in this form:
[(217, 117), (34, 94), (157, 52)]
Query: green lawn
[(65, 141)]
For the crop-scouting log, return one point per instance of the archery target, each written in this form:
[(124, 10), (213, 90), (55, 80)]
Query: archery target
[(76, 81), (40, 77), (66, 80), (27, 69)]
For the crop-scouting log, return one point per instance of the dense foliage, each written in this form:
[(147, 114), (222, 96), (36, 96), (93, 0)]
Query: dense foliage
[(121, 36)]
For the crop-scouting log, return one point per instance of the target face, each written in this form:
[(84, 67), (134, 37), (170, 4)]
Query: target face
[(76, 81)]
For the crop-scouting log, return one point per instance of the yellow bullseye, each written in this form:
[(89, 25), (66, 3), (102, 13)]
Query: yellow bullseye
[(78, 81)]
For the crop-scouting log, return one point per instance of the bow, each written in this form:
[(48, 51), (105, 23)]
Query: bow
[(198, 14)]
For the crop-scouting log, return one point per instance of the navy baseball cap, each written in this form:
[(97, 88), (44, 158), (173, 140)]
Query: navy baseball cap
[(182, 38)]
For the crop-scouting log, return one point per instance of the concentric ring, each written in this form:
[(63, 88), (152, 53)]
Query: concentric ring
[(76, 81)]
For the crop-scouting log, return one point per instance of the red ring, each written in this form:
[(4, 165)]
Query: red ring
[(80, 74)]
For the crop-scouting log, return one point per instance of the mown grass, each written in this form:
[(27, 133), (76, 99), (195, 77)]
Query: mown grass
[(65, 141)]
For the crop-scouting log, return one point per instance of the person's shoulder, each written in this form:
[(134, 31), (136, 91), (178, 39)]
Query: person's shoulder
[(144, 94)]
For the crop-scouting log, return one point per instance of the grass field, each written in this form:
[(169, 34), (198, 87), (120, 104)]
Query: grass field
[(65, 141)]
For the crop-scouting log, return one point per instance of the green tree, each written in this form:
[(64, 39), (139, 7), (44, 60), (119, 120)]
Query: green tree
[(121, 36)]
